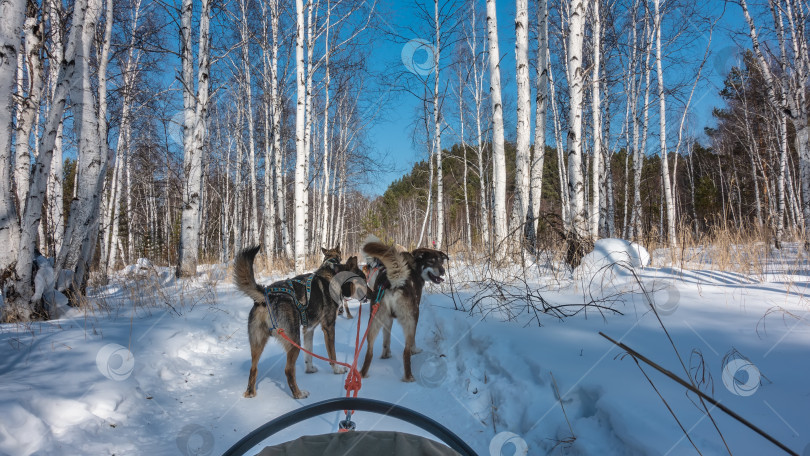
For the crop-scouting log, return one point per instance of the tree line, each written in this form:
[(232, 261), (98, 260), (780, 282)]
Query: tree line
[(185, 131)]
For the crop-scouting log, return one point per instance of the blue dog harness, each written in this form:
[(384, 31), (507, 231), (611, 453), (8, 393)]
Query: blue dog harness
[(289, 290)]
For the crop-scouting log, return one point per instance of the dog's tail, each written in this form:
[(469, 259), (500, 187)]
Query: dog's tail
[(368, 240), (243, 275), (396, 263)]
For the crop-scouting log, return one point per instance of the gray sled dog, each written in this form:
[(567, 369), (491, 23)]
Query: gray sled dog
[(289, 305), (404, 277)]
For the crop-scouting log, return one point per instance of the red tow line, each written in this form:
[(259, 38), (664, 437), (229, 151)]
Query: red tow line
[(354, 380)]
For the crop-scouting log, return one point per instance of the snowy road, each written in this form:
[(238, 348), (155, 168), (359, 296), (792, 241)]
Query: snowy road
[(172, 380)]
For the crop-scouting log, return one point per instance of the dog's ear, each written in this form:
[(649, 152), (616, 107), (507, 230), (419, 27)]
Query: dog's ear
[(323, 250), (337, 247), (351, 263), (420, 254)]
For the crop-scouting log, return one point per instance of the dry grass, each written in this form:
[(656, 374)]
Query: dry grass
[(151, 288), (744, 251)]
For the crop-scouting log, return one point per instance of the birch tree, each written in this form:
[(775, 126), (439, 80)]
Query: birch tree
[(522, 155), (576, 79), (301, 197), (130, 70), (777, 101), (539, 153), (81, 231), (251, 146), (325, 158), (13, 14), (268, 104), (437, 138), (477, 92), (788, 96), (668, 196), (498, 155), (18, 293), (195, 109), (277, 112), (596, 111), (29, 104)]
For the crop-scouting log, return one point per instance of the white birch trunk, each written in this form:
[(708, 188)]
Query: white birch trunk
[(254, 208), (309, 71), (29, 105), (81, 230), (113, 211), (596, 108), (325, 159), (13, 14), (477, 92), (640, 139), (18, 293), (498, 155), (437, 141), (54, 194), (195, 107), (55, 208), (576, 76), (301, 156), (278, 176), (777, 102), (429, 203), (520, 206), (538, 159), (268, 103), (662, 104)]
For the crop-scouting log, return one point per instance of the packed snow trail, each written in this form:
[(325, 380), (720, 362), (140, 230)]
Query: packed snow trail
[(149, 379)]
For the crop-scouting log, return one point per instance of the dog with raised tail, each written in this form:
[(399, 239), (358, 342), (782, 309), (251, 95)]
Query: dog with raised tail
[(303, 301), (403, 278)]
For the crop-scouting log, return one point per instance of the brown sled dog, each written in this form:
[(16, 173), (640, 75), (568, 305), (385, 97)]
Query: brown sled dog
[(404, 277), (280, 310)]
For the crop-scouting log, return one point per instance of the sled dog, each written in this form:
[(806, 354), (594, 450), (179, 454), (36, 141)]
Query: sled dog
[(402, 280), (304, 300)]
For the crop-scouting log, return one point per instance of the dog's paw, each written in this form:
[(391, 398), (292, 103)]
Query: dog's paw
[(408, 379), (311, 369), (302, 394), (415, 350), (349, 316), (338, 370), (249, 394), (386, 353)]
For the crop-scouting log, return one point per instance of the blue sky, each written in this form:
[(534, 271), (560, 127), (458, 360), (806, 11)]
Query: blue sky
[(391, 135)]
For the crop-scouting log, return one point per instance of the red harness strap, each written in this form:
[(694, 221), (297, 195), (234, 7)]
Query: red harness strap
[(354, 380)]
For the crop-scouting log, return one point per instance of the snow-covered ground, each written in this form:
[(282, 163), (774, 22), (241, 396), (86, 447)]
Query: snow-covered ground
[(160, 367)]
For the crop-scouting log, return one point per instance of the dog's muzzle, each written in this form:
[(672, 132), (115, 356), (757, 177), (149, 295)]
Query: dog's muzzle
[(437, 279)]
